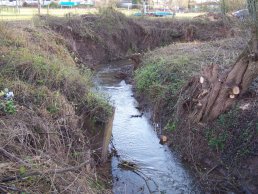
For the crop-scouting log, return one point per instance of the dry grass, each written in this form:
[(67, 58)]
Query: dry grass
[(171, 66), (45, 134), (220, 152)]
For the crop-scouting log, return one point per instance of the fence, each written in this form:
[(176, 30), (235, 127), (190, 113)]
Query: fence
[(24, 13)]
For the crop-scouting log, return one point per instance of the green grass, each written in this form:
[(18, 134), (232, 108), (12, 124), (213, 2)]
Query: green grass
[(10, 14), (166, 70), (24, 13), (36, 58), (172, 65)]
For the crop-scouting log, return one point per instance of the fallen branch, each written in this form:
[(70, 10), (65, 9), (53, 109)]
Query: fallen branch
[(13, 157), (204, 175), (145, 180), (133, 168), (213, 168), (49, 172), (5, 188)]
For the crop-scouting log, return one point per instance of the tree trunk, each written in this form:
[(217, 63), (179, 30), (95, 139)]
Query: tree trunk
[(223, 7), (189, 6), (204, 98), (39, 7)]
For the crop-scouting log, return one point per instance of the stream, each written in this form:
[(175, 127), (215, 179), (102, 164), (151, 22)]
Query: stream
[(135, 139)]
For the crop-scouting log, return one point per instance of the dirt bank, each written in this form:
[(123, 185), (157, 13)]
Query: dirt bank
[(45, 143), (111, 35), (54, 119), (222, 153)]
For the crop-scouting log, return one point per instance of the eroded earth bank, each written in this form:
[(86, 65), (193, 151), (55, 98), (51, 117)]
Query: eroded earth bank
[(51, 132)]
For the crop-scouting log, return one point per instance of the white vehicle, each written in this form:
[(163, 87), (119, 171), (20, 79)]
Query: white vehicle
[(11, 3), (35, 2)]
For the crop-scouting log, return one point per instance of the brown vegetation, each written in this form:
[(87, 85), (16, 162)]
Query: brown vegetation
[(50, 143), (45, 145), (223, 153), (110, 35)]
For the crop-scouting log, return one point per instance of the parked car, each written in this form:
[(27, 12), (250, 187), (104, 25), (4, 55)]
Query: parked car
[(241, 14), (10, 3), (28, 3)]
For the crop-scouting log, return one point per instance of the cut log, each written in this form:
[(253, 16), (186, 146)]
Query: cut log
[(222, 87), (236, 90), (232, 96)]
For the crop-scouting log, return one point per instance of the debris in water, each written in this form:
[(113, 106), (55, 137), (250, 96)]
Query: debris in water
[(134, 116), (127, 165)]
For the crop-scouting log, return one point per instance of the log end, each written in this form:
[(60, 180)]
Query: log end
[(232, 96), (236, 90)]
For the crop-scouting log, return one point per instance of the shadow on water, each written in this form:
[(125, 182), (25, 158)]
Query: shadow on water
[(136, 141)]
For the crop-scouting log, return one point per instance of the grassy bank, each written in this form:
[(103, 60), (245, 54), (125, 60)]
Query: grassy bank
[(25, 13), (42, 129), (165, 70), (222, 153)]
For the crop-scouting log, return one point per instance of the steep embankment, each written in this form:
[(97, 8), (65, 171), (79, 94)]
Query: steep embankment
[(54, 120), (110, 35), (45, 144), (222, 153)]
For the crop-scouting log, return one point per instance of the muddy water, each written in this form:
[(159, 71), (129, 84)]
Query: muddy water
[(159, 170)]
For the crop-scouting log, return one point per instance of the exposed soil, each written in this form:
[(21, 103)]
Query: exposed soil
[(120, 37), (45, 143), (99, 38), (223, 153), (90, 40)]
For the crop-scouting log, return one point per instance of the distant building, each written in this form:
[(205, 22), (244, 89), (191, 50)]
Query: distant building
[(11, 3)]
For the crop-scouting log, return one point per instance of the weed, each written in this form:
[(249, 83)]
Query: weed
[(7, 106), (22, 170), (216, 139), (53, 109), (218, 142), (147, 76), (171, 126), (97, 184), (101, 109)]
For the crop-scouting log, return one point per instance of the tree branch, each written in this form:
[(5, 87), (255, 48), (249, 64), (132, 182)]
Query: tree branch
[(49, 172), (13, 157), (5, 188)]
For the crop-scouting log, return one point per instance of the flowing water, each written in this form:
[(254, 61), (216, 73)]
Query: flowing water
[(159, 170)]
